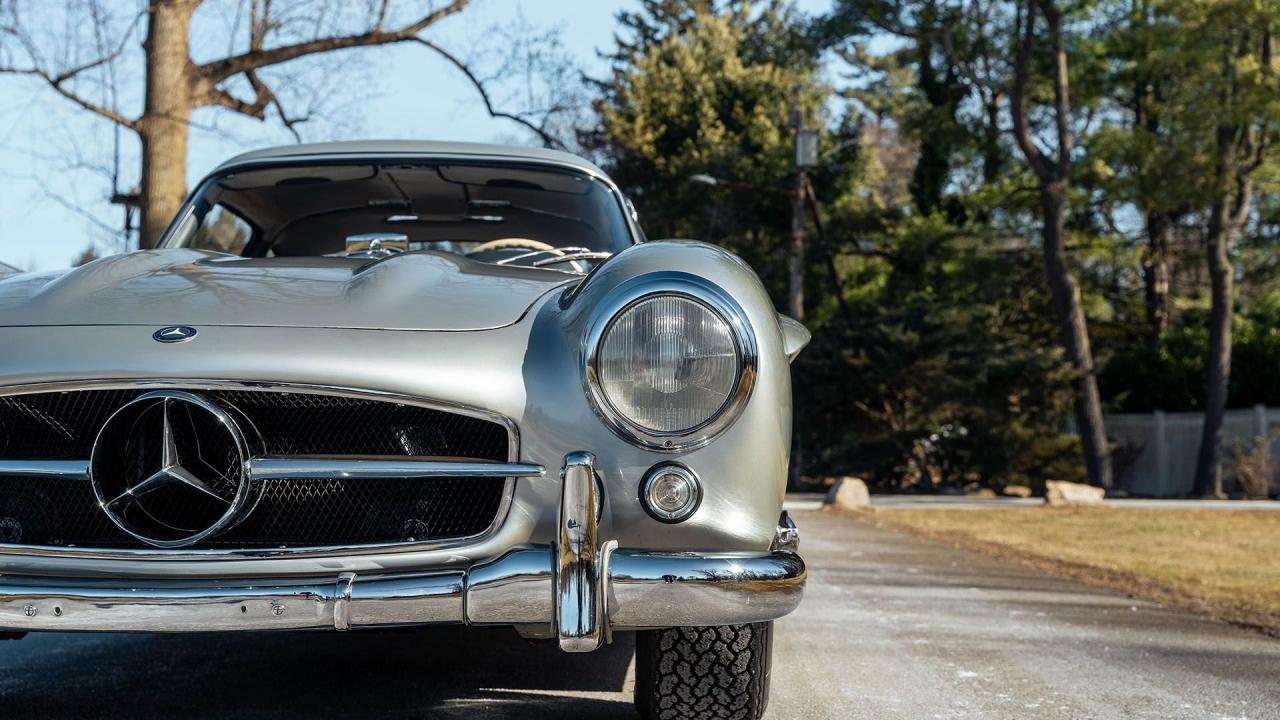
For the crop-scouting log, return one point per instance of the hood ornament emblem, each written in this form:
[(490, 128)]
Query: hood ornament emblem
[(174, 334)]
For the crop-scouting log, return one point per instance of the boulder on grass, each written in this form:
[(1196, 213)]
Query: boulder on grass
[(849, 493), (1058, 492), (1019, 491)]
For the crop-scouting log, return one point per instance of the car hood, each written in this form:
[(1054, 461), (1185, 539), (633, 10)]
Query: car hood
[(411, 291)]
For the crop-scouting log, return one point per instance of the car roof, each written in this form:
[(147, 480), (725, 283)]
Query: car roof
[(376, 148)]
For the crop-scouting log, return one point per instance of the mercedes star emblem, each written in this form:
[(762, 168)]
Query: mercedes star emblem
[(171, 468), (174, 334)]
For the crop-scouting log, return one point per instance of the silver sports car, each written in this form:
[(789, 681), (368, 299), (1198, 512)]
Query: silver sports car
[(376, 385)]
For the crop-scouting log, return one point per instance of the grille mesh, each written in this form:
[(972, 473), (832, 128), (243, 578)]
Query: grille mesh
[(290, 513), (63, 425)]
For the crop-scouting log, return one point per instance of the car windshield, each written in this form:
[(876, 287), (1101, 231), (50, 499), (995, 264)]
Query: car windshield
[(503, 213)]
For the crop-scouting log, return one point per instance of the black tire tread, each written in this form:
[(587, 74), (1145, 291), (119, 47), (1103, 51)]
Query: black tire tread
[(717, 673)]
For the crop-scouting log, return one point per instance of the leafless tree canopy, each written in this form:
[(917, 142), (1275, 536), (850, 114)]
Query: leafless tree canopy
[(245, 56), (95, 37)]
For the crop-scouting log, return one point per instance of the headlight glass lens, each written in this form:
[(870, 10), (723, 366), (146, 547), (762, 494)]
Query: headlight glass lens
[(668, 363)]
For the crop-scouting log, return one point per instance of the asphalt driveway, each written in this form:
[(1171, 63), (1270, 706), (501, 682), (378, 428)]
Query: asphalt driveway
[(891, 627)]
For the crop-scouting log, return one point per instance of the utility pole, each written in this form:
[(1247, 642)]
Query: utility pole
[(795, 306), (806, 157)]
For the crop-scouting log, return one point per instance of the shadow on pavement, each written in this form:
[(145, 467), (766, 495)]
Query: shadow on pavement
[(447, 672)]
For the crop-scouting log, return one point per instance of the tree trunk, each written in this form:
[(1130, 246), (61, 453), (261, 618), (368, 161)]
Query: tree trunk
[(1155, 275), (1208, 481), (992, 150), (1075, 335), (167, 114)]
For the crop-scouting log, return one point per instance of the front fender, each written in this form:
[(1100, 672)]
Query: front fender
[(743, 470)]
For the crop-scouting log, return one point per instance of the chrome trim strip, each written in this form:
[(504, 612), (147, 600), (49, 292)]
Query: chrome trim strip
[(68, 469), (310, 467), (645, 590), (513, 456), (699, 290), (576, 589), (318, 468)]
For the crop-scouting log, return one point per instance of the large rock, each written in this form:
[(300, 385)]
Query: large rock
[(1058, 492), (849, 493)]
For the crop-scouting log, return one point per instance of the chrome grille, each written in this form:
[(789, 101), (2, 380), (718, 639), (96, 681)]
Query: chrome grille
[(290, 512)]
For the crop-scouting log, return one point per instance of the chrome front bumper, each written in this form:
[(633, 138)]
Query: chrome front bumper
[(578, 590)]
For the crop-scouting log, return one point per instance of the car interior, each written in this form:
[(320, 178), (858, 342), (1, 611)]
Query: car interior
[(503, 213)]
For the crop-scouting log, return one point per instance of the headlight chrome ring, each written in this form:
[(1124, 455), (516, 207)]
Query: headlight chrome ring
[(691, 290)]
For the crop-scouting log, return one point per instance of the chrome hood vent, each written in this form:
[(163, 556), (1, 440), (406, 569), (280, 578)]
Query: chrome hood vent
[(409, 291)]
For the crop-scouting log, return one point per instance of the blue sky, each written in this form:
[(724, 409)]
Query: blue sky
[(52, 200)]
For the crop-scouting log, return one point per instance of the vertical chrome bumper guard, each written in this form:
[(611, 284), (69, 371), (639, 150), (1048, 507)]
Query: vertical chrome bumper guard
[(577, 585)]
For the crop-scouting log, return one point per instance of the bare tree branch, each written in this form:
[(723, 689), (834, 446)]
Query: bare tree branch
[(260, 23), (547, 138), (62, 90), (255, 109), (256, 58), (58, 80), (966, 70), (264, 98), (878, 17)]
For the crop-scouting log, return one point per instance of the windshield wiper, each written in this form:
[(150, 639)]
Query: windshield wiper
[(536, 253), (570, 257), (567, 254)]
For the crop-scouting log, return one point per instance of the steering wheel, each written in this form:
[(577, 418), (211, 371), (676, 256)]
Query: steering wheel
[(520, 243), (515, 243)]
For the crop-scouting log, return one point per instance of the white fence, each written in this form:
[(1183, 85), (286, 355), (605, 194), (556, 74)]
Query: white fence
[(1156, 452)]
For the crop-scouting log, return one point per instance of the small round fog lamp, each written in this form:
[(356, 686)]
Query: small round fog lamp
[(670, 493)]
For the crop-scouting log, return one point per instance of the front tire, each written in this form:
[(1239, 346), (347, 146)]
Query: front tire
[(719, 673)]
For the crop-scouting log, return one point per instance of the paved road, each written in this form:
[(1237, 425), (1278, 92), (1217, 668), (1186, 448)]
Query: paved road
[(897, 627), (891, 627)]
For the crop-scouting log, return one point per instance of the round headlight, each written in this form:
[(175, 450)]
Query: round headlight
[(669, 366)]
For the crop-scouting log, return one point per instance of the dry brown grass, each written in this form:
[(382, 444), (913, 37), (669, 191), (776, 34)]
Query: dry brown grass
[(1222, 563), (1254, 468)]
